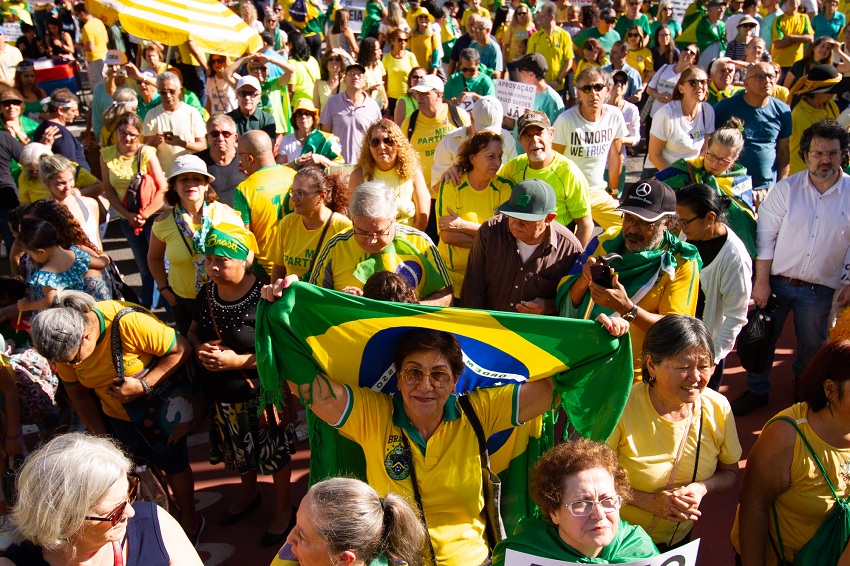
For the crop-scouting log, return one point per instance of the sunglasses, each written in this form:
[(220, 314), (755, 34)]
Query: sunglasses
[(118, 512), (468, 69), (168, 91), (12, 102), (337, 59), (376, 142), (632, 35), (621, 81), (219, 134), (246, 94), (597, 87), (697, 82)]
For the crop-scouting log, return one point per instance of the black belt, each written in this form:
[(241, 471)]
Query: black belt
[(795, 282)]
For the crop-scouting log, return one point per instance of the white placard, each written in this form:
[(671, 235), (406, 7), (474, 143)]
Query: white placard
[(679, 7), (467, 103), (516, 98), (12, 31), (683, 556)]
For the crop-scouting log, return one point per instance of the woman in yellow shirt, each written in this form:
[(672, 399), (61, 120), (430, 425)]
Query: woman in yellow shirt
[(593, 55), (462, 208), (397, 65), (320, 202), (424, 43), (639, 57)]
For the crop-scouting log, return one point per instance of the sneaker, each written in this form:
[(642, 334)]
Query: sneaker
[(747, 402), (195, 535)]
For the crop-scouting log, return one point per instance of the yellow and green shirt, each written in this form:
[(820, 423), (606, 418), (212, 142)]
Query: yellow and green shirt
[(556, 48), (428, 133), (783, 24), (295, 245)]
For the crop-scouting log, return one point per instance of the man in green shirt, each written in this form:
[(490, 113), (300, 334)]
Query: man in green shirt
[(633, 17), (469, 83), (604, 31)]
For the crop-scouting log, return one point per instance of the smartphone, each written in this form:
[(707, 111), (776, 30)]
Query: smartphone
[(600, 273), (168, 135)]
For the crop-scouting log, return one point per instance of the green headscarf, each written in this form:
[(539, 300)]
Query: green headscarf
[(230, 240)]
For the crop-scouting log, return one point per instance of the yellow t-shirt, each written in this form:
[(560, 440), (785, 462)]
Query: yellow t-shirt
[(95, 31), (564, 176), (123, 169), (473, 206), (32, 189), (557, 49), (259, 199), (144, 337), (447, 466), (397, 71), (295, 245), (428, 133), (646, 445), (423, 46), (481, 11), (403, 194), (798, 24), (807, 501), (641, 60), (343, 263), (802, 116), (181, 267), (782, 93), (513, 39)]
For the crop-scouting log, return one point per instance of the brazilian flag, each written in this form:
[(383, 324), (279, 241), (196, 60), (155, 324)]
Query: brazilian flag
[(353, 339)]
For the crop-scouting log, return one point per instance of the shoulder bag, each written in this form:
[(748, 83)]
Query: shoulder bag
[(140, 191)]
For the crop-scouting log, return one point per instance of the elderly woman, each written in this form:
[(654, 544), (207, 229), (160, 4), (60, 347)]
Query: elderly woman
[(152, 55), (30, 186), (387, 156), (344, 521), (676, 439), (77, 505), (786, 495), (463, 207), (119, 163), (124, 101), (179, 234), (436, 433), (575, 528), (719, 170), (725, 277), (319, 202), (77, 334), (59, 174), (679, 129), (60, 111), (222, 335), (307, 144)]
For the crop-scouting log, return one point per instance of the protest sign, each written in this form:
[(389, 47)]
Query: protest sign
[(516, 98)]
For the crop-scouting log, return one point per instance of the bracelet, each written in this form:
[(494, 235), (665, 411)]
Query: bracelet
[(166, 288)]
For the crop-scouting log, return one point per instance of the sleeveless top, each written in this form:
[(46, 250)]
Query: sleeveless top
[(143, 535), (90, 222), (403, 193)]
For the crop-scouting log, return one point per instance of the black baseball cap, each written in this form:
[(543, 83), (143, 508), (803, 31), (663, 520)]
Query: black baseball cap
[(649, 200)]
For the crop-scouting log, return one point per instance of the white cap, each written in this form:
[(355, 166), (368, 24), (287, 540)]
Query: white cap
[(248, 80), (487, 114), (115, 57), (429, 83), (190, 164)]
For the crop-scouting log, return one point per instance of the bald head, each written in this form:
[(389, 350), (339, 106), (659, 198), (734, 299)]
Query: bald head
[(255, 151)]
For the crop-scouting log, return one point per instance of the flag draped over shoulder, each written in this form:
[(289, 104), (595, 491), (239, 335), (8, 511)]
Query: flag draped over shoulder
[(701, 32), (352, 339)]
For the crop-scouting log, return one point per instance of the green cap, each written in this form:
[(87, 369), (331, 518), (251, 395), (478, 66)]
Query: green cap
[(230, 240), (530, 200)]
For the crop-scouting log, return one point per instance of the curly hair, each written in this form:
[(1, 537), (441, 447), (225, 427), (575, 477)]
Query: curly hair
[(67, 228), (564, 460), (337, 199), (473, 145), (367, 56), (407, 160)]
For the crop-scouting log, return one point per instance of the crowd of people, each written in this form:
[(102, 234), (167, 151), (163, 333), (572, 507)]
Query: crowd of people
[(384, 165)]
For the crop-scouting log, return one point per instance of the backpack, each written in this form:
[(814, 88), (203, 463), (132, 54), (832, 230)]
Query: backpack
[(454, 115)]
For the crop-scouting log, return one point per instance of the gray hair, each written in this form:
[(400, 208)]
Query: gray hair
[(217, 119), (550, 9), (59, 485), (669, 336), (32, 152), (592, 72), (57, 331), (730, 134), (348, 514), (166, 77), (470, 54), (123, 102), (373, 199), (51, 165)]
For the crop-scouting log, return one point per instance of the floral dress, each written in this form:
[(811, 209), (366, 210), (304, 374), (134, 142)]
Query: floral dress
[(236, 438), (74, 278)]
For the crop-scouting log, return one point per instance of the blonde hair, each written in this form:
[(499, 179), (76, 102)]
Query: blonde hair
[(407, 160)]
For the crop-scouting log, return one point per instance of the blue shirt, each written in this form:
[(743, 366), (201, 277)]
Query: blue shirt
[(635, 80), (828, 28), (762, 128), (491, 55)]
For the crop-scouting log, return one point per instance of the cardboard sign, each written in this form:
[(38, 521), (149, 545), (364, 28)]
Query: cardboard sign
[(516, 98), (12, 31), (682, 556)]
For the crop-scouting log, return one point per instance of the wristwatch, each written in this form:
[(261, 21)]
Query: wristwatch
[(630, 316), (145, 385)]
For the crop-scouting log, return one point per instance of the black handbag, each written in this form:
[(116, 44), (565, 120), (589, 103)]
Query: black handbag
[(753, 344)]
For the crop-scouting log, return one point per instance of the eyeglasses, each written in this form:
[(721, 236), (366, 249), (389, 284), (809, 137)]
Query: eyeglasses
[(168, 91), (835, 153), (747, 26), (214, 61), (376, 142), (118, 512), (584, 507), (596, 87), (302, 194), (78, 356), (721, 160), (12, 102), (220, 134), (372, 235), (246, 94), (761, 77), (684, 223), (126, 134), (416, 78), (697, 82), (414, 376), (639, 223), (468, 69)]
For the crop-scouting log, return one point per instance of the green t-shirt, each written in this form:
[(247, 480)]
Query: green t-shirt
[(480, 84), (607, 40), (623, 24)]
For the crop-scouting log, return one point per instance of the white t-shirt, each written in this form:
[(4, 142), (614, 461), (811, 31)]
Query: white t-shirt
[(587, 143), (664, 80), (221, 95), (631, 115), (445, 154), (525, 250), (290, 147), (683, 139), (185, 123)]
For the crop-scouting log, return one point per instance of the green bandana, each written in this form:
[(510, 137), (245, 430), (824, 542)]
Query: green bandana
[(230, 240)]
